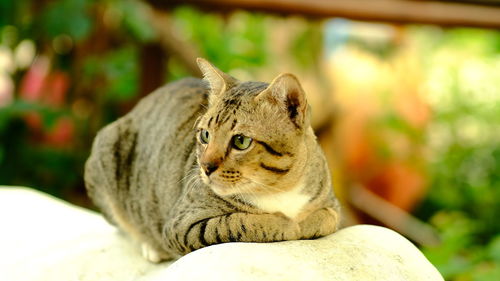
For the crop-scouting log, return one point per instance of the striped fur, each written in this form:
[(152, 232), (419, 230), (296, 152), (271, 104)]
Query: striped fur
[(146, 170)]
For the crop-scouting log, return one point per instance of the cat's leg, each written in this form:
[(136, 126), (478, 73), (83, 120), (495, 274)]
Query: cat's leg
[(152, 254), (235, 227), (319, 223)]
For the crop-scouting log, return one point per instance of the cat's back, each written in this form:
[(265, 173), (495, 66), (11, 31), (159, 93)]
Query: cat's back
[(152, 146), (165, 125), (177, 99)]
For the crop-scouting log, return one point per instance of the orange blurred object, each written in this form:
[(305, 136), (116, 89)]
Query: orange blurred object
[(381, 114)]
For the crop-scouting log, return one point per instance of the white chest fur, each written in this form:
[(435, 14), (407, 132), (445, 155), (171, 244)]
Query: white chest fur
[(290, 203)]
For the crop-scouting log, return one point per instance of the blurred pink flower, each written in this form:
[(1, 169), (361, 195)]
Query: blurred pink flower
[(57, 85), (33, 81)]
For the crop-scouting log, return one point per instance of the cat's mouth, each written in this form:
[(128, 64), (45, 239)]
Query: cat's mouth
[(221, 188), (242, 187), (226, 186), (218, 187)]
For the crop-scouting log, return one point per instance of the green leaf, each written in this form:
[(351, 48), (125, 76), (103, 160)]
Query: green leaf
[(69, 17), (121, 71), (136, 22), (494, 249)]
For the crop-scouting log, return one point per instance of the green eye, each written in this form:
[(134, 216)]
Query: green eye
[(204, 136), (241, 142)]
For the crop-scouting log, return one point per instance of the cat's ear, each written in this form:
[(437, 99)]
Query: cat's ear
[(218, 80), (286, 92)]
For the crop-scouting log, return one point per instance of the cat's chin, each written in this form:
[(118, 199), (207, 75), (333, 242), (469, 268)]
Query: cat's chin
[(222, 190)]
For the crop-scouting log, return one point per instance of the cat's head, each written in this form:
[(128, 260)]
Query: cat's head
[(251, 140)]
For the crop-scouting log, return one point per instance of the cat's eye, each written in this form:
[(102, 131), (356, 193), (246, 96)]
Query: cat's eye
[(241, 142), (204, 136)]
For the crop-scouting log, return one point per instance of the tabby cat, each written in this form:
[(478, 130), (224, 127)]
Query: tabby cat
[(202, 162)]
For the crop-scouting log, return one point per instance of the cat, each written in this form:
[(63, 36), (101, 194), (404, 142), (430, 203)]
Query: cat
[(201, 162)]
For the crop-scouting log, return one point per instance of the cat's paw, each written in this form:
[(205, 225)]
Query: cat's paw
[(150, 253), (329, 223), (290, 228), (292, 232), (320, 223)]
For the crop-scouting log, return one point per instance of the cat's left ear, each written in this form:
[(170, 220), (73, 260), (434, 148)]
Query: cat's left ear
[(286, 92), (218, 80)]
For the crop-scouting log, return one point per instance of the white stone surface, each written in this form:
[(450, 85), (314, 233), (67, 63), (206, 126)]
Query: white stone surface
[(43, 238), (360, 252)]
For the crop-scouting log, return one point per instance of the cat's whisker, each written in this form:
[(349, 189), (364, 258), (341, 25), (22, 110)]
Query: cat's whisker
[(245, 192), (242, 192), (272, 188), (192, 179), (195, 182), (188, 174)]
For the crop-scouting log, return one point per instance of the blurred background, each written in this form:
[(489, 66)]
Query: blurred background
[(405, 97)]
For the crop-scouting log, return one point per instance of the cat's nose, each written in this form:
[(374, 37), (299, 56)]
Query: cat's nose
[(209, 167)]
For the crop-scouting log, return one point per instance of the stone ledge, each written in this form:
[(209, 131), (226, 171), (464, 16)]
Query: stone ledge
[(44, 238)]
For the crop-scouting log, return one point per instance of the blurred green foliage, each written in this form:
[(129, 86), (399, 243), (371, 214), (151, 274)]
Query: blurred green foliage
[(464, 151), (70, 17), (94, 77), (120, 73), (238, 41)]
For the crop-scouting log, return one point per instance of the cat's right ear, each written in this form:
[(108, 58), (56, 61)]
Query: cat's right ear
[(218, 80), (286, 92)]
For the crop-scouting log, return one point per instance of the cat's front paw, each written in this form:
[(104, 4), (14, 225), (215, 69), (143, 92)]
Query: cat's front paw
[(320, 223), (151, 254), (291, 229)]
